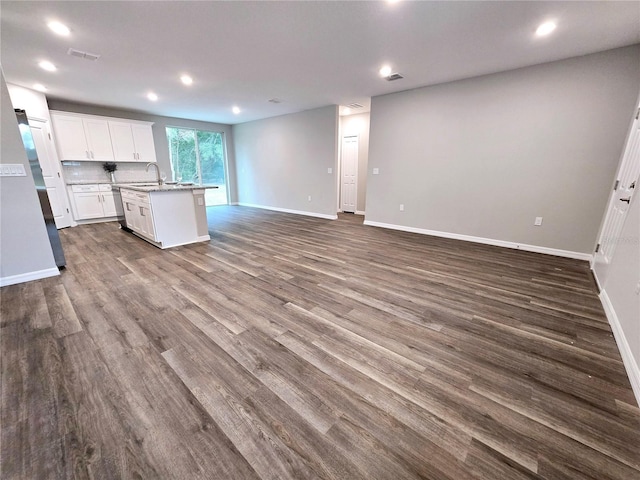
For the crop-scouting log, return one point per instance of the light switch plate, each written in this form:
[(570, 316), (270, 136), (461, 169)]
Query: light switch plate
[(329, 170), (376, 171), (12, 170)]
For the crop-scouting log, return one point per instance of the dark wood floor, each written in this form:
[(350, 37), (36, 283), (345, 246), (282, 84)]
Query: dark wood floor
[(294, 347)]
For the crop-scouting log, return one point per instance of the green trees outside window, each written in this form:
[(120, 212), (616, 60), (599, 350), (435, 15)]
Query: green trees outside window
[(198, 156)]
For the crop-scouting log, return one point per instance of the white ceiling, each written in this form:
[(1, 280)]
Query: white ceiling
[(308, 54)]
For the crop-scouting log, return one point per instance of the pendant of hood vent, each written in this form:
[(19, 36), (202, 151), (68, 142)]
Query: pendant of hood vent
[(80, 54)]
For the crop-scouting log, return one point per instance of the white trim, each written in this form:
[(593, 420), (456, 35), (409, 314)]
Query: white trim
[(29, 276), (595, 276), (286, 210), (630, 364), (89, 221), (359, 212), (486, 241), (234, 203)]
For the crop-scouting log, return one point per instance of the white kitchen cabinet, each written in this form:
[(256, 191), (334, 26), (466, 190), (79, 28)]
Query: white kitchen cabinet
[(166, 216), (138, 213), (143, 141), (108, 204), (92, 201), (132, 142), (88, 205), (82, 138)]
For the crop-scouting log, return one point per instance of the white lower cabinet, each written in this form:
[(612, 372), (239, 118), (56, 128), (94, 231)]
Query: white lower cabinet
[(92, 201), (138, 213), (166, 216)]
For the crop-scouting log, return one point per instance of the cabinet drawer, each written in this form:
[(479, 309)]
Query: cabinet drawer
[(85, 188), (105, 187), (142, 197)]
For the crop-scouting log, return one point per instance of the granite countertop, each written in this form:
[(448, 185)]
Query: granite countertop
[(87, 182), (149, 187)]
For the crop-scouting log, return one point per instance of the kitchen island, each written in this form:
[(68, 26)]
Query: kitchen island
[(165, 215)]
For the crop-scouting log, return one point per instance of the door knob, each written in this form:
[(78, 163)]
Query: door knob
[(628, 199)]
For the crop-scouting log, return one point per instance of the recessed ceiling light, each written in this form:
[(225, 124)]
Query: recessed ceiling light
[(186, 79), (236, 110), (152, 96), (48, 66), (59, 28), (40, 87), (385, 71), (545, 29)]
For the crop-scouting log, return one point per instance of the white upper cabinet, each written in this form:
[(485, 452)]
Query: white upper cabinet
[(102, 139), (143, 140), (132, 142), (80, 138), (98, 139), (122, 142)]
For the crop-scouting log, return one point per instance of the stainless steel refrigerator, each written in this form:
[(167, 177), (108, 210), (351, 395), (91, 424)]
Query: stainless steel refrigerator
[(41, 188)]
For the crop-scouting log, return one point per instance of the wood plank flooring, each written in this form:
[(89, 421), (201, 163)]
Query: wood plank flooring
[(291, 347)]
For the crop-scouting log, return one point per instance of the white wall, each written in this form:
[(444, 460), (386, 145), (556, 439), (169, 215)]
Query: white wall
[(282, 160), (358, 124), (483, 157), (25, 251), (159, 132)]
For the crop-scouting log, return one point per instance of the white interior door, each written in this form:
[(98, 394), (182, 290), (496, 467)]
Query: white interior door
[(349, 190), (51, 171), (626, 184)]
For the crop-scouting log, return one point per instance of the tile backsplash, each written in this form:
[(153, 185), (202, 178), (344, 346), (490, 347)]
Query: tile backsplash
[(74, 172)]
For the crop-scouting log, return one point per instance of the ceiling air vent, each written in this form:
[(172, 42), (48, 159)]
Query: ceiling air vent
[(355, 105), (80, 54), (394, 76)]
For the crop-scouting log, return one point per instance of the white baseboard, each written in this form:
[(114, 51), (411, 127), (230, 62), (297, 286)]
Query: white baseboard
[(28, 277), (286, 210), (486, 241), (630, 364), (359, 212), (234, 203)]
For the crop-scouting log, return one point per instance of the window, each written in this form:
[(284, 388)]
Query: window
[(199, 157)]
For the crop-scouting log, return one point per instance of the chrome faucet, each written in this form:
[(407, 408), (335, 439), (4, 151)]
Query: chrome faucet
[(150, 164)]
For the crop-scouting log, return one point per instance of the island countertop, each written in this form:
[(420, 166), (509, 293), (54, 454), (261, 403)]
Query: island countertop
[(154, 187)]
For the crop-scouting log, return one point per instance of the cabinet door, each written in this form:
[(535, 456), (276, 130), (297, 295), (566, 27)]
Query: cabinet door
[(98, 139), (146, 222), (88, 205), (143, 141), (70, 138), (108, 204), (122, 142), (131, 214)]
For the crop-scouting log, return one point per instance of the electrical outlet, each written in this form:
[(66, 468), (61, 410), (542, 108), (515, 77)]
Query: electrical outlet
[(309, 198), (402, 207), (538, 221), (376, 171)]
